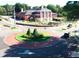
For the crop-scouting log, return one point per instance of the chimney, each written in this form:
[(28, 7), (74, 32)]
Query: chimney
[(42, 7), (31, 7), (21, 9)]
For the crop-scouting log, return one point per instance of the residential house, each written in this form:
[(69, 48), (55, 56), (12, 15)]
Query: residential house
[(40, 14)]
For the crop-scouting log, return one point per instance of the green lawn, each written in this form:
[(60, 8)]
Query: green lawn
[(24, 37), (20, 37)]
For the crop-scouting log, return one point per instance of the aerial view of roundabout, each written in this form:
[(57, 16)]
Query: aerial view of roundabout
[(39, 29), (28, 41), (35, 41)]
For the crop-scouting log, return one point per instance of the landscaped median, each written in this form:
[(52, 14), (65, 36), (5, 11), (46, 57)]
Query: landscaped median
[(24, 37), (33, 37), (30, 39), (33, 40)]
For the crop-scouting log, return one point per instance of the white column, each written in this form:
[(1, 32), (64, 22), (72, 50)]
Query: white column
[(41, 16), (44, 15), (51, 17), (48, 16)]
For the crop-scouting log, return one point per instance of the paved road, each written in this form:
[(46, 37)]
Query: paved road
[(3, 33)]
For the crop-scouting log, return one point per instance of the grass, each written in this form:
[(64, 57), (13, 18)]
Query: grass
[(28, 22), (20, 37), (45, 33), (24, 37), (14, 28)]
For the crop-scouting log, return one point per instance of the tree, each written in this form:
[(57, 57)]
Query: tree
[(59, 10), (8, 8), (52, 8), (18, 7), (72, 9), (25, 6), (35, 32), (2, 10), (28, 32), (36, 7)]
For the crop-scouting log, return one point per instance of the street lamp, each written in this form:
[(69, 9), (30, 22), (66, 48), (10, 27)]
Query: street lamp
[(14, 13), (12, 21)]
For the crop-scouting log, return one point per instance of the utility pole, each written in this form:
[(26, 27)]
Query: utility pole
[(14, 13), (14, 17)]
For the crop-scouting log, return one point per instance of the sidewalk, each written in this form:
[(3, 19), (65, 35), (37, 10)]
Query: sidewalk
[(2, 52)]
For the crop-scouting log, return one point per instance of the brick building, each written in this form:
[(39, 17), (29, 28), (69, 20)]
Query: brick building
[(41, 14)]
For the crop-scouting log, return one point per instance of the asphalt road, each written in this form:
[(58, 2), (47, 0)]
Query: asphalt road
[(3, 33)]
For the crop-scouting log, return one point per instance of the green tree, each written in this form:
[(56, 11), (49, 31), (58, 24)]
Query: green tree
[(18, 7), (35, 7), (72, 9), (28, 32), (25, 6), (35, 32), (52, 8), (8, 8), (2, 10), (59, 10)]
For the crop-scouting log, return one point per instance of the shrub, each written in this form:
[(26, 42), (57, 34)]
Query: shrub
[(50, 23), (40, 36), (23, 36), (28, 32), (65, 36), (35, 33), (0, 19)]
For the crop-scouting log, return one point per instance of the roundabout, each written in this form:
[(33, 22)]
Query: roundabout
[(20, 45), (50, 48), (29, 41)]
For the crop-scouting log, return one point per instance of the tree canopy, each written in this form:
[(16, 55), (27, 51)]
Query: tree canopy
[(18, 7), (57, 9), (52, 8), (25, 6), (2, 10), (72, 9), (8, 9)]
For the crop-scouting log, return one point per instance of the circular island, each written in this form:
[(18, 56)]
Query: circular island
[(34, 40)]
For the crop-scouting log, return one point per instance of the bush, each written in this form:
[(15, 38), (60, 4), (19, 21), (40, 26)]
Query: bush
[(28, 32), (0, 19), (35, 33), (23, 36), (40, 36), (65, 36), (50, 23)]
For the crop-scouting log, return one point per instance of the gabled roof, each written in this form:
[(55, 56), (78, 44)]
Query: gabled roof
[(37, 10)]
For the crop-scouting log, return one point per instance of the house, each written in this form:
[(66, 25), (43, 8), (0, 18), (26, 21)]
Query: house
[(40, 14)]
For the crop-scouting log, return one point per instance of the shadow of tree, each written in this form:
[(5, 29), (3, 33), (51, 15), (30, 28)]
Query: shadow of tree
[(58, 48)]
